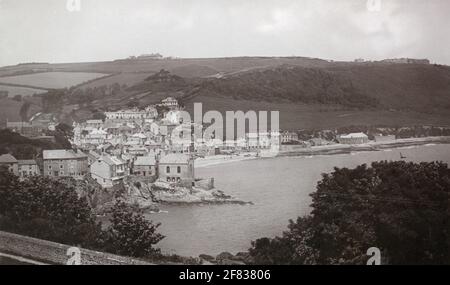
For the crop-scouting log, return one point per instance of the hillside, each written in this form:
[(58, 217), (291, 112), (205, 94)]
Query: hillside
[(309, 93)]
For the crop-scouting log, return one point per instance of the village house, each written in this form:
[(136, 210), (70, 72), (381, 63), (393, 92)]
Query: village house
[(95, 124), (92, 157), (289, 137), (137, 139), (10, 162), (109, 171), (169, 102), (136, 151), (174, 117), (28, 168), (177, 168), (353, 138), (145, 166), (252, 140), (65, 163)]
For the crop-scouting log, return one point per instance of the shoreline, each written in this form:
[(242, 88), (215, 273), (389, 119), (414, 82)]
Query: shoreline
[(371, 146), (334, 149)]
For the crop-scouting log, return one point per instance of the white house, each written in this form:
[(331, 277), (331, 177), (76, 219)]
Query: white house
[(169, 102), (353, 138), (109, 171)]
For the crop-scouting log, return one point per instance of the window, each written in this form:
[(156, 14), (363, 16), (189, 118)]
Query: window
[(49, 167), (179, 169), (61, 166), (168, 169), (178, 179), (168, 179)]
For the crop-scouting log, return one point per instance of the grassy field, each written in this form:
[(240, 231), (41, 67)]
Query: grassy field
[(51, 80), (24, 91), (128, 78)]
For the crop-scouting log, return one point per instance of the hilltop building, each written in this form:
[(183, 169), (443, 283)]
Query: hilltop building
[(169, 102)]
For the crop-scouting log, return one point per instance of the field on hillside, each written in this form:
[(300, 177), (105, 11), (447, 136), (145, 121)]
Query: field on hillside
[(186, 67), (51, 80), (128, 78), (14, 90), (307, 116)]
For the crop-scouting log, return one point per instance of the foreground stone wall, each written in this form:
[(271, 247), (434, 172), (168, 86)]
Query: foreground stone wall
[(56, 253)]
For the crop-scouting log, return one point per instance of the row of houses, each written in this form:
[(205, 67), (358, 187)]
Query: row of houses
[(107, 170), (21, 168)]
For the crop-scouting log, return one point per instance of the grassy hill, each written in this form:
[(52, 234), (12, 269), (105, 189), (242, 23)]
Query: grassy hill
[(309, 93)]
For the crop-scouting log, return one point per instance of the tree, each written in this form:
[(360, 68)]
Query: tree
[(46, 209), (130, 233), (65, 129), (51, 209), (99, 116), (24, 111), (402, 208), (52, 101)]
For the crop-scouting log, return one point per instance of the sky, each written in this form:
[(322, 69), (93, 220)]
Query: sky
[(57, 31)]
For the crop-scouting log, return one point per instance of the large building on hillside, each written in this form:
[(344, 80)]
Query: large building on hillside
[(169, 102), (132, 115), (65, 163)]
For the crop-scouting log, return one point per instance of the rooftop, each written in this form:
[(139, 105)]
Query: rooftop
[(27, 162), (175, 158), (354, 135), (145, 160), (62, 154), (112, 160), (7, 158)]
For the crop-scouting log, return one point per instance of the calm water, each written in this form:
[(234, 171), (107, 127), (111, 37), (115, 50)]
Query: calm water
[(279, 189)]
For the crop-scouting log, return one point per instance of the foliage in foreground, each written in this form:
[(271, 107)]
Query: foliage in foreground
[(401, 208), (48, 209)]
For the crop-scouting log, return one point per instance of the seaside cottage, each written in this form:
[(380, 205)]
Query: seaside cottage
[(177, 168)]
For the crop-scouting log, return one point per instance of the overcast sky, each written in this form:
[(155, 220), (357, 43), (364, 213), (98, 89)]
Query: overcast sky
[(45, 30)]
